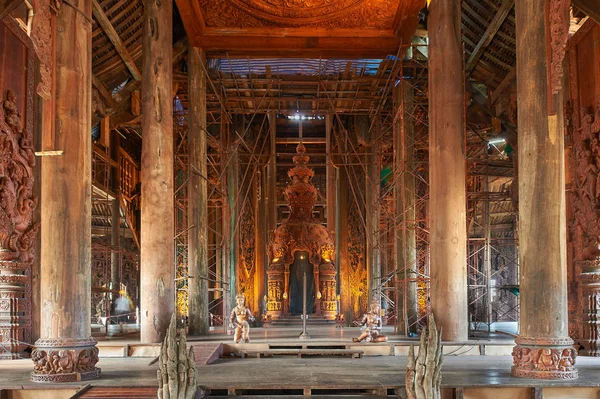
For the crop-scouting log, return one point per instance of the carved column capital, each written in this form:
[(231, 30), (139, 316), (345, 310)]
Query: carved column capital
[(65, 360), (544, 358)]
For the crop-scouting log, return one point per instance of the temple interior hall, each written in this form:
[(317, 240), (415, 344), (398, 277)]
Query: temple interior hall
[(285, 198)]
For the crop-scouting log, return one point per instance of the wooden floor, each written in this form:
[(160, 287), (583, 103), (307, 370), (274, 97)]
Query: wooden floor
[(379, 373)]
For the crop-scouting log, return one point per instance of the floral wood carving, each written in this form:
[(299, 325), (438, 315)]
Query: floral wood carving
[(297, 13), (246, 273), (585, 195), (41, 36), (17, 202), (559, 34), (584, 226)]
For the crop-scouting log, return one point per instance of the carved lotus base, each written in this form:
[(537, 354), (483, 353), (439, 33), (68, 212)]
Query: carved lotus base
[(65, 360), (544, 358)]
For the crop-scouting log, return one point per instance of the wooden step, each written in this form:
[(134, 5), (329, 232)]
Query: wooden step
[(354, 353), (91, 392)]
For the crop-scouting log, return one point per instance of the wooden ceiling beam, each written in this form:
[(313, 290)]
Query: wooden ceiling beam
[(590, 7), (192, 17), (489, 35), (327, 47), (407, 19), (113, 36)]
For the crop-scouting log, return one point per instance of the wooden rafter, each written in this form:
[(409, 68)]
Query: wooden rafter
[(590, 7), (7, 6), (102, 90), (512, 75), (113, 36), (489, 34)]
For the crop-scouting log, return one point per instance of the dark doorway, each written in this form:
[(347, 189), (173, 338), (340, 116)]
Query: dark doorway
[(300, 265)]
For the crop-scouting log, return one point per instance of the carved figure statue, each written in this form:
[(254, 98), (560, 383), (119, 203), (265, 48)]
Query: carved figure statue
[(372, 323), (548, 360), (12, 115), (239, 319)]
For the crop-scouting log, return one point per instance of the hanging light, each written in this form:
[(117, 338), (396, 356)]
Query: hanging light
[(285, 295)]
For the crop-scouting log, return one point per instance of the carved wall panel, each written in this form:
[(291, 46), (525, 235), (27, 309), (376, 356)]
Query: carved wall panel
[(359, 291), (582, 132), (17, 161), (246, 268), (297, 13)]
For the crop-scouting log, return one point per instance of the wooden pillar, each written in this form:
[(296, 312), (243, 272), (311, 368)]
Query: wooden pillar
[(198, 318), (66, 211), (331, 189), (259, 305), (341, 243), (272, 174), (406, 239), (115, 236), (447, 203), (544, 349), (372, 259), (271, 188), (218, 248), (114, 149), (157, 249), (234, 205)]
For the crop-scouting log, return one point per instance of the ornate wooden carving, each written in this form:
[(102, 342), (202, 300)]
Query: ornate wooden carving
[(559, 34), (296, 13), (17, 203), (554, 362), (584, 227), (359, 291), (301, 233), (247, 268), (41, 36), (68, 360)]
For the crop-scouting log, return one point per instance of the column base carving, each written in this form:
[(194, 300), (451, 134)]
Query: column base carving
[(544, 358), (65, 360)]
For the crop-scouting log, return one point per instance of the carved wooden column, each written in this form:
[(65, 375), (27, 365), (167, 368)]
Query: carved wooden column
[(261, 245), (544, 349), (115, 237), (406, 239), (271, 205), (157, 250), (372, 258), (234, 204), (272, 175), (66, 351), (198, 318), (447, 203), (341, 243)]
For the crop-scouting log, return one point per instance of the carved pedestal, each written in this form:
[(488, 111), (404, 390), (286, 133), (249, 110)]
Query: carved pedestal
[(15, 309), (544, 358), (589, 280), (65, 360)]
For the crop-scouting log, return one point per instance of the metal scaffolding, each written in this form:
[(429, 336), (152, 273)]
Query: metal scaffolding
[(493, 266)]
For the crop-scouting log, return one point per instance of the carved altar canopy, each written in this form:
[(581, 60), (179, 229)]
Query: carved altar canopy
[(301, 233)]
